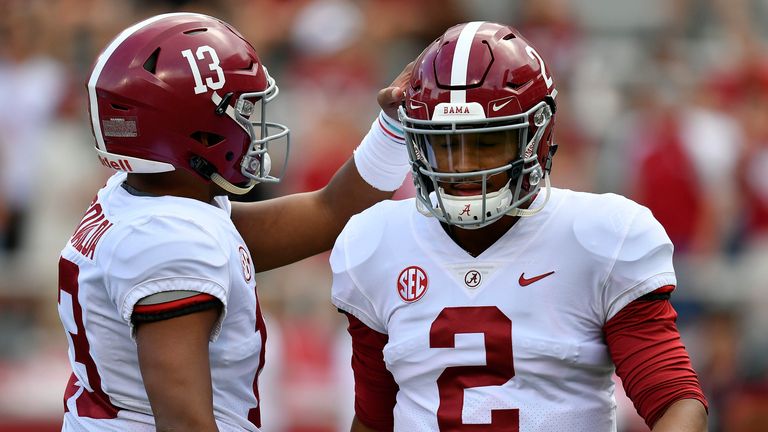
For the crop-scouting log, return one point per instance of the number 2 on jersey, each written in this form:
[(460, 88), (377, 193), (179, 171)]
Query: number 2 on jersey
[(498, 369)]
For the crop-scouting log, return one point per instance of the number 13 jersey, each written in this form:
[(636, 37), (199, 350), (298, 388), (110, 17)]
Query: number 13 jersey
[(512, 339), (129, 247)]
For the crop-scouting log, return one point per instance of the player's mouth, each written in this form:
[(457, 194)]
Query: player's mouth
[(465, 189)]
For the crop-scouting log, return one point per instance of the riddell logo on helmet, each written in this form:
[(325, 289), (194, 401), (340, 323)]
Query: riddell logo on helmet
[(119, 164)]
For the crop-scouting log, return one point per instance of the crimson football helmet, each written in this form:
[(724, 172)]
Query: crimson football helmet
[(184, 91), (478, 119)]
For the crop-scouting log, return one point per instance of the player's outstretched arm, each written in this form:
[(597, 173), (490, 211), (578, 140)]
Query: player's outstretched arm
[(173, 357), (284, 230), (686, 415)]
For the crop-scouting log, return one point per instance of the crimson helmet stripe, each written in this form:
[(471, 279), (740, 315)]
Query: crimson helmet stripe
[(102, 61), (461, 60)]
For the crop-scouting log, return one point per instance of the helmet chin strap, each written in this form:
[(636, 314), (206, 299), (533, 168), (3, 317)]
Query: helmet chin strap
[(229, 187), (237, 190), (529, 211)]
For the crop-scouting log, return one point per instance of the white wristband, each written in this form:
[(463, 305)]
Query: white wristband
[(381, 158)]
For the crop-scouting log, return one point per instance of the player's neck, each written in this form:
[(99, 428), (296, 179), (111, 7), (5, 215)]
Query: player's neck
[(478, 240), (174, 183)]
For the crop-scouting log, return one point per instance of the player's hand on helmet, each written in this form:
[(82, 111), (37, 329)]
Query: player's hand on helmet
[(392, 96)]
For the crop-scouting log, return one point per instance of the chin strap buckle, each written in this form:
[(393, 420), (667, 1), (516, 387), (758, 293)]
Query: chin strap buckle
[(221, 107), (516, 170), (548, 164), (202, 167)]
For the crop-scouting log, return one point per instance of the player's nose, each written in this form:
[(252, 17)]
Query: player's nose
[(466, 162)]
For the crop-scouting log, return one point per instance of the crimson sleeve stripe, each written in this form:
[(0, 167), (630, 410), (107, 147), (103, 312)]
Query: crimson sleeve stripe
[(390, 133), (664, 290), (375, 387), (162, 308), (650, 357), (254, 414)]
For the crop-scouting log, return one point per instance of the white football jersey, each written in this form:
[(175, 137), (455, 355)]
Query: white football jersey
[(511, 339), (126, 248)]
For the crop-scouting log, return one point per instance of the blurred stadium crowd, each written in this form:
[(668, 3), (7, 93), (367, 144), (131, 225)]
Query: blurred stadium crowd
[(664, 101)]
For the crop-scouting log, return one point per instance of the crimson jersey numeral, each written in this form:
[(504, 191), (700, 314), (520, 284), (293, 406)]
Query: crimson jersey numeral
[(498, 369), (254, 414), (94, 403)]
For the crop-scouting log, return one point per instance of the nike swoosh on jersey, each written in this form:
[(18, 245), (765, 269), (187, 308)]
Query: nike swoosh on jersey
[(527, 281), (495, 107)]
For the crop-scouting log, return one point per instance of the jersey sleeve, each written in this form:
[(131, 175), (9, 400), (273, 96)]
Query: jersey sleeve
[(347, 258), (643, 263), (166, 254), (375, 387), (650, 357)]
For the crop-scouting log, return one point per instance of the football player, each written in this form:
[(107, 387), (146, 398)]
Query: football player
[(492, 301), (156, 285)]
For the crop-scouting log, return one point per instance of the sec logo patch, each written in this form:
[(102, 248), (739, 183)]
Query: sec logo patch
[(245, 260), (412, 284)]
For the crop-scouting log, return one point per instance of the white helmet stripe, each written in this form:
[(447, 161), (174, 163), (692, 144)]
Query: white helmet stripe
[(461, 60), (103, 58)]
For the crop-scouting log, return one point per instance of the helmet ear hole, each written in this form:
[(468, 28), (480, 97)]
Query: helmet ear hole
[(207, 139), (150, 65)]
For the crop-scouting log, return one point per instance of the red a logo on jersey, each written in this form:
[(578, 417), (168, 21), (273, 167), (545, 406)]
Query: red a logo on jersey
[(466, 210), (472, 278), (412, 284)]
